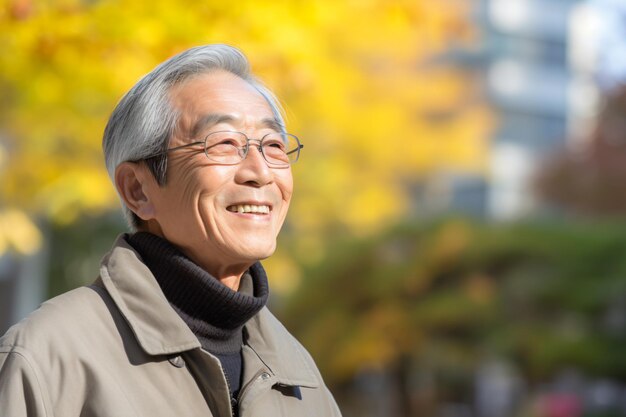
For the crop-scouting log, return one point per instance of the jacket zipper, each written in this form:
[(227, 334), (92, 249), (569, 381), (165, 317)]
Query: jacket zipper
[(234, 412), (245, 388)]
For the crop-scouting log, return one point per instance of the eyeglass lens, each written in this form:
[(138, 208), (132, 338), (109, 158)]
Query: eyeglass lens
[(279, 149)]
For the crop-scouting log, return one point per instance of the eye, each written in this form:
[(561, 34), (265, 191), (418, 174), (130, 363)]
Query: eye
[(228, 141), (225, 139), (274, 142)]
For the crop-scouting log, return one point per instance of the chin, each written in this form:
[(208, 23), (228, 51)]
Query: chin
[(264, 254), (258, 252)]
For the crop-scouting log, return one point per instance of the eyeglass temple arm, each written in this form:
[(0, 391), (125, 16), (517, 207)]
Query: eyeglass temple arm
[(165, 152), (300, 146)]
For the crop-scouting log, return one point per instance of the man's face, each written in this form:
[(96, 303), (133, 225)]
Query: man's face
[(197, 208)]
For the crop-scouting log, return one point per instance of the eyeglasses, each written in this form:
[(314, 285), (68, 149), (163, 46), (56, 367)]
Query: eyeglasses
[(230, 148)]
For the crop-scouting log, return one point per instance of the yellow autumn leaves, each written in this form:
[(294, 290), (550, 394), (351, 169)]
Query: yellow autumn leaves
[(359, 80), (18, 232)]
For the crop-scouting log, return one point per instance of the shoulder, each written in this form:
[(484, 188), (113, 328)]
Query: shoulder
[(290, 362), (273, 331), (59, 321), (267, 332)]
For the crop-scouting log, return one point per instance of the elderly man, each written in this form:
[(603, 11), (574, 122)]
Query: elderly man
[(176, 323)]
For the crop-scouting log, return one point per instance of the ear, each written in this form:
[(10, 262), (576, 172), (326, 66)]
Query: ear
[(132, 181)]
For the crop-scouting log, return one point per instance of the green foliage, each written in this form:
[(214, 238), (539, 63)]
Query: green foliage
[(540, 294), (76, 251)]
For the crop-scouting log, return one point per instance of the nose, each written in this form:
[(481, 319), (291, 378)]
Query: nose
[(253, 169)]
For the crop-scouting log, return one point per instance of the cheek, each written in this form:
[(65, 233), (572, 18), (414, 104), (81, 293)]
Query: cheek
[(196, 184), (285, 183), (191, 198)]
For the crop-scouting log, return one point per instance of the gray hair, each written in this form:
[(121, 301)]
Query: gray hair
[(143, 122)]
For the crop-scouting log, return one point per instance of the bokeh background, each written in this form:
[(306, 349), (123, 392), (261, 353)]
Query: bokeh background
[(456, 245)]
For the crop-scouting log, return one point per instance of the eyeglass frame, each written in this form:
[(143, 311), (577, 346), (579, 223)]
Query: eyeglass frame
[(245, 149)]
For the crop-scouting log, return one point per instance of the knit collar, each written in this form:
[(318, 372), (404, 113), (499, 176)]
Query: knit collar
[(215, 313)]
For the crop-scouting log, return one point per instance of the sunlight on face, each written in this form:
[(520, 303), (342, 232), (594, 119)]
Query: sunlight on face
[(224, 217)]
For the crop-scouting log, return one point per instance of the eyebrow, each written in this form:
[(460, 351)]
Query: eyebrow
[(211, 119)]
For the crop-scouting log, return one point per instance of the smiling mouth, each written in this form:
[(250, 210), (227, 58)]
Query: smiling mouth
[(249, 208)]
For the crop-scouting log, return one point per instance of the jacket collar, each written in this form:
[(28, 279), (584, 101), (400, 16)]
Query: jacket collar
[(280, 351), (160, 330)]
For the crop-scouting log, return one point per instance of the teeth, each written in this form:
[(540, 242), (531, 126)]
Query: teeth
[(249, 208)]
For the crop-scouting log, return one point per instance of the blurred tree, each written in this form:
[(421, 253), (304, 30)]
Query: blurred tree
[(591, 181), (18, 233), (354, 77), (442, 297)]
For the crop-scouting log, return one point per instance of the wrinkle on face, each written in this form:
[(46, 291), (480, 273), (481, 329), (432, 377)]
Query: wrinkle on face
[(191, 208)]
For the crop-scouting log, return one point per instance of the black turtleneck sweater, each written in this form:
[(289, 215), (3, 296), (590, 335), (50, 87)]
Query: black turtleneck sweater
[(214, 313)]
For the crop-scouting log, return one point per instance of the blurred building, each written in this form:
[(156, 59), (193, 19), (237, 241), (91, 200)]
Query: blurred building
[(527, 80), (543, 65), (23, 286), (23, 260)]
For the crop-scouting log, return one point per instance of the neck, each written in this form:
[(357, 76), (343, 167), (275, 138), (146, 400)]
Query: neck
[(228, 275), (195, 293), (231, 281)]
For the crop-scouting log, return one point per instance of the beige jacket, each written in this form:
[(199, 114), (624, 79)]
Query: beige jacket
[(117, 349)]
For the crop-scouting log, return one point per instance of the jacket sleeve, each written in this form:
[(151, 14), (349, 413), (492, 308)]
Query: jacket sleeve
[(21, 390)]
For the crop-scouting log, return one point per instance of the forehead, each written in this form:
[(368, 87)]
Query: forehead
[(219, 92)]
